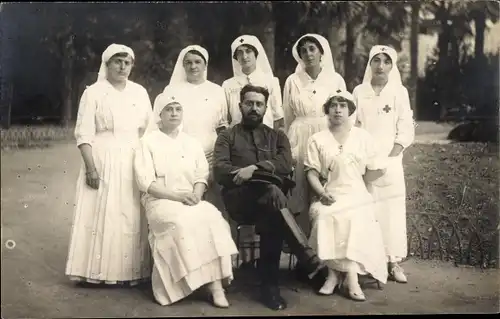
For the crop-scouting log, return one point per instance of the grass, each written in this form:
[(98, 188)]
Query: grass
[(454, 179), (27, 136), (457, 185)]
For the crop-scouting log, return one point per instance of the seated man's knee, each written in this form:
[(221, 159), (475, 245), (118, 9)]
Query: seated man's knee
[(274, 196), (276, 192)]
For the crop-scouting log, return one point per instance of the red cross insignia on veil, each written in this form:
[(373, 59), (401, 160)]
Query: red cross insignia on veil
[(338, 91), (242, 40)]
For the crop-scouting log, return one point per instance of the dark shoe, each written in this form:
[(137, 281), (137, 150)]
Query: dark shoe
[(246, 265), (319, 279), (316, 282), (300, 273), (271, 298)]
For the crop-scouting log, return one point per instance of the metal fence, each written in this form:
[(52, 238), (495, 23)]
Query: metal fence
[(472, 241)]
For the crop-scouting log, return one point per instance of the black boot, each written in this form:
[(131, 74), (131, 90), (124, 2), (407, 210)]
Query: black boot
[(271, 297)]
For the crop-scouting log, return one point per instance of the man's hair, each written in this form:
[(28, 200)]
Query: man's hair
[(350, 104), (254, 88)]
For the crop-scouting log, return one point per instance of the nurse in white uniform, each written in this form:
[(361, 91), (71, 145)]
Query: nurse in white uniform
[(251, 66), (384, 111)]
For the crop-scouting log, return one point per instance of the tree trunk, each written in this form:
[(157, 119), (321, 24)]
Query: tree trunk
[(480, 26), (282, 38), (415, 26), (349, 69), (67, 69), (268, 41), (444, 40), (336, 33)]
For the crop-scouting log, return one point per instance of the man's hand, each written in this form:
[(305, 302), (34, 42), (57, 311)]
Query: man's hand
[(326, 199), (243, 174)]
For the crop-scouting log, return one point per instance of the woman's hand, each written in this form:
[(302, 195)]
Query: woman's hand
[(372, 175), (326, 199), (92, 179), (189, 199), (396, 150)]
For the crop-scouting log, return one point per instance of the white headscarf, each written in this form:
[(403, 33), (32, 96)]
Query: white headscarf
[(179, 74), (394, 75), (161, 101), (346, 95), (326, 60), (262, 62), (107, 54)]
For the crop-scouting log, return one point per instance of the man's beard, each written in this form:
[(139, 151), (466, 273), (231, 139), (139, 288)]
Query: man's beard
[(252, 121)]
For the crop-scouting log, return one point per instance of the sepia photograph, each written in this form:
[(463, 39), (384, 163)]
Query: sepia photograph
[(249, 158)]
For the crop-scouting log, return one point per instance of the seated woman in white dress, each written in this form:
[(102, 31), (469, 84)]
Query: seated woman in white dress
[(190, 241), (344, 232)]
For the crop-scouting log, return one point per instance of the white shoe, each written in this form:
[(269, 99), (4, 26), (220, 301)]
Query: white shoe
[(352, 291), (330, 284), (397, 274), (219, 299), (218, 295)]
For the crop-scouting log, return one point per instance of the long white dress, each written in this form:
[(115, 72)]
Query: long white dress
[(109, 231), (388, 117), (191, 245), (233, 86), (303, 100), (347, 230)]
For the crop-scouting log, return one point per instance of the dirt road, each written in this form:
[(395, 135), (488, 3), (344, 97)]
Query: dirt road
[(37, 197)]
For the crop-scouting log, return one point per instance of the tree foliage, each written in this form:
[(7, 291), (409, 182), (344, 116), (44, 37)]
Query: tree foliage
[(78, 33)]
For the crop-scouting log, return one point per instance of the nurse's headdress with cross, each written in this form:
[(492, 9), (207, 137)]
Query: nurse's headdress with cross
[(394, 75), (163, 100), (343, 94), (262, 62)]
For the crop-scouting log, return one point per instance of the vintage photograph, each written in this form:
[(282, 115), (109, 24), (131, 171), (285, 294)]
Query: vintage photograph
[(257, 158)]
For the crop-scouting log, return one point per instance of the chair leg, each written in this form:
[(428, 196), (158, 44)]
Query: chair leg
[(252, 253), (291, 262), (238, 245), (380, 286)]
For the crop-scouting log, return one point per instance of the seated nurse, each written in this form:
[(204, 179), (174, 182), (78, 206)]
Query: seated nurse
[(190, 241), (345, 232)]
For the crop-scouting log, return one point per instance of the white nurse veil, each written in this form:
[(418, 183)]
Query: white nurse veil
[(262, 62), (162, 100), (111, 50), (179, 74), (394, 75), (326, 59)]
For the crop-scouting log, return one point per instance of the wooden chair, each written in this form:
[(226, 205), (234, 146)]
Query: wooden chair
[(255, 244)]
